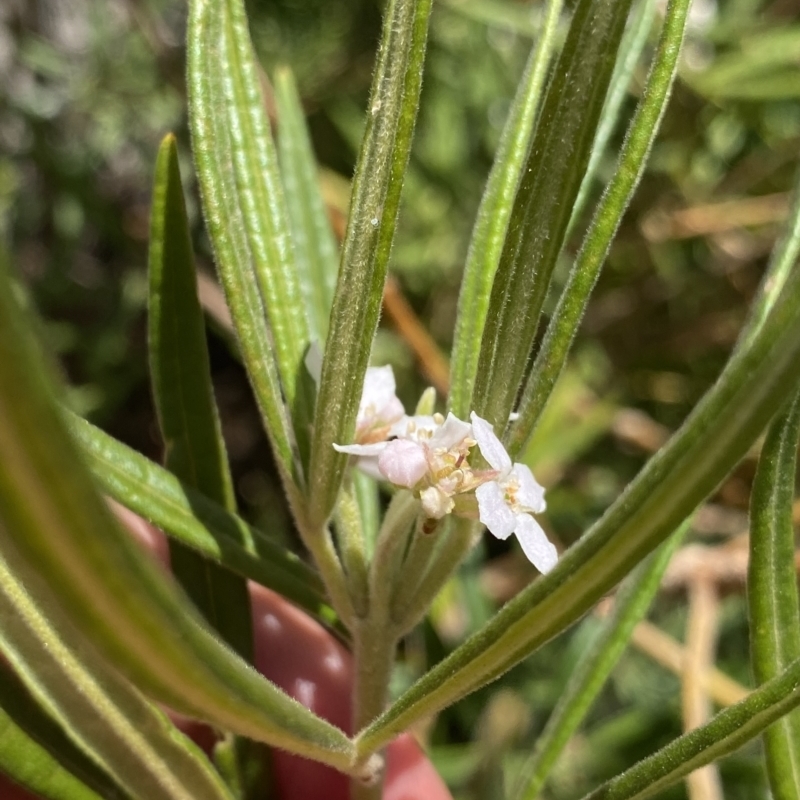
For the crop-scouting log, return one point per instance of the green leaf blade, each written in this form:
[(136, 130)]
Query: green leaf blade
[(28, 764), (491, 222), (227, 222), (563, 327), (772, 590), (110, 590), (184, 399), (35, 750), (127, 736), (191, 518), (315, 244), (374, 205), (558, 156)]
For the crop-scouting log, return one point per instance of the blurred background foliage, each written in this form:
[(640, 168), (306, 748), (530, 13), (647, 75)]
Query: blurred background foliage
[(88, 89)]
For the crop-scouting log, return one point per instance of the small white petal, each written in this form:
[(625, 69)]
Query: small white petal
[(451, 433), (403, 463), (379, 405), (435, 503), (535, 544), (530, 494), (491, 447), (493, 510), (379, 387), (374, 449)]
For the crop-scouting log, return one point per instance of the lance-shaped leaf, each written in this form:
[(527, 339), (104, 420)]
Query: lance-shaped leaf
[(630, 51), (243, 212), (595, 665), (127, 736), (566, 318), (191, 518), (550, 181), (772, 590), (781, 263), (28, 764), (37, 754), (111, 591), (375, 199), (184, 399), (314, 243), (491, 222), (719, 432), (727, 732)]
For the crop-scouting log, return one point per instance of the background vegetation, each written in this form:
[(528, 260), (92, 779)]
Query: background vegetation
[(88, 90)]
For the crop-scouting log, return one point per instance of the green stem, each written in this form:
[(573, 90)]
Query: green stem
[(374, 649), (412, 602), (390, 547), (320, 545), (350, 537)]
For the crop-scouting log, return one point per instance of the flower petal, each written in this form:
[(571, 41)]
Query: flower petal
[(491, 447), (535, 544), (531, 493), (451, 433), (403, 462), (374, 449), (379, 386), (493, 510)]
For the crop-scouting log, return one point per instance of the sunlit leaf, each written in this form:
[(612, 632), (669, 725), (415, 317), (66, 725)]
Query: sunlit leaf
[(121, 601), (184, 399), (550, 181), (314, 243), (772, 590), (377, 183)]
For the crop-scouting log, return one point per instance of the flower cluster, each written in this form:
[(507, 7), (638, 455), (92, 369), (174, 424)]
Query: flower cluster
[(430, 455)]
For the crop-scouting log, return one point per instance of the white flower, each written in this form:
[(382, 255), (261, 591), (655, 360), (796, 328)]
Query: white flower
[(429, 455), (506, 503), (378, 411), (380, 407)]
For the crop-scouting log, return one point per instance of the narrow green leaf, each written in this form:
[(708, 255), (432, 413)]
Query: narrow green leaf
[(715, 436), (187, 413), (782, 261), (491, 223), (594, 667), (114, 594), (262, 202), (642, 132), (127, 736), (630, 51), (31, 765), (193, 519), (550, 181), (314, 242), (36, 753), (33, 768), (727, 732), (229, 204), (377, 183), (772, 590)]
